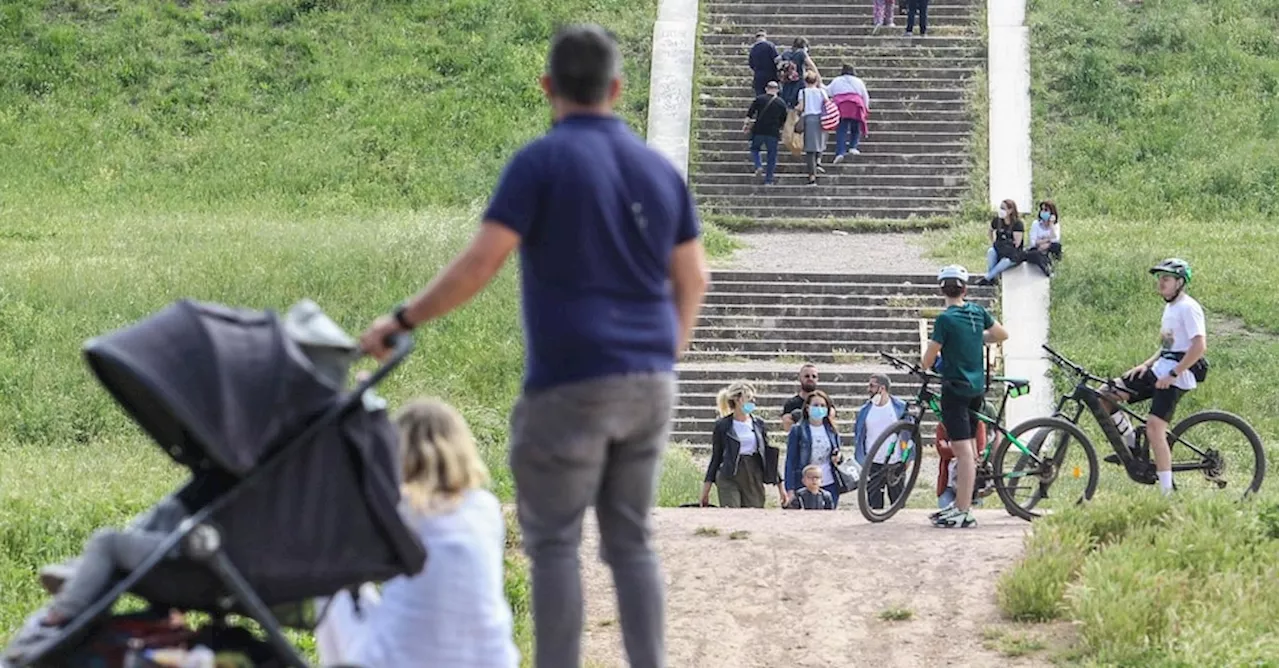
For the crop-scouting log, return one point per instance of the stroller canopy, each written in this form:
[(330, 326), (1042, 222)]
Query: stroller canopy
[(211, 384)]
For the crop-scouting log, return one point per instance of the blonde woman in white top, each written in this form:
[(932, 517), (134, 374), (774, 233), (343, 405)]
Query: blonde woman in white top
[(454, 612), (742, 461), (812, 100)]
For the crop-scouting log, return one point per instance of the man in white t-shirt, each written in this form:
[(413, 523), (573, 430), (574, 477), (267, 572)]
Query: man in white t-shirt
[(878, 414), (1169, 373)]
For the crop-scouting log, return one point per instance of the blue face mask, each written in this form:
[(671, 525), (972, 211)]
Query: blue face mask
[(1044, 215), (749, 407), (818, 412)]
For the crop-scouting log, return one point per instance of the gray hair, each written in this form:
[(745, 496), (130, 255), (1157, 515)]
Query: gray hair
[(882, 380)]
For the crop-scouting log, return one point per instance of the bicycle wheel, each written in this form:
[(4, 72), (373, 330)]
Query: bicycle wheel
[(1059, 469), (1217, 450), (899, 473)]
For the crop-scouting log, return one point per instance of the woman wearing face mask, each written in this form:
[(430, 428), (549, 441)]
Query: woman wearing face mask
[(813, 441), (1046, 239), (1006, 243), (742, 461)]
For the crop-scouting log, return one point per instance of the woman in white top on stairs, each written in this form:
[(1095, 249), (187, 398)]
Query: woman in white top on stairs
[(812, 100), (742, 461), (454, 612)]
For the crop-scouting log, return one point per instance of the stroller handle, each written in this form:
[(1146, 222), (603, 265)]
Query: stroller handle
[(401, 345)]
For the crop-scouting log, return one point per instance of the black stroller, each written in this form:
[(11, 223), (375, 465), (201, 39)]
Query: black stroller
[(295, 480)]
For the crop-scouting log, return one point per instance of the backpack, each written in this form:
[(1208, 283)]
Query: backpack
[(787, 71)]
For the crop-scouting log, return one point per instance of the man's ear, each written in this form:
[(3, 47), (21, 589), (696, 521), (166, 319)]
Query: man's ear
[(544, 82), (615, 89)]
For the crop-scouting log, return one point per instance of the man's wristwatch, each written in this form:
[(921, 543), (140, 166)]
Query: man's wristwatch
[(1173, 373), (399, 315)]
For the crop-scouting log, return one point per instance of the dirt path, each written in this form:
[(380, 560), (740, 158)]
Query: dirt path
[(830, 252), (807, 589)]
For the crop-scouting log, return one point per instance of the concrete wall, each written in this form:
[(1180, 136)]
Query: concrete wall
[(675, 35), (1025, 295)]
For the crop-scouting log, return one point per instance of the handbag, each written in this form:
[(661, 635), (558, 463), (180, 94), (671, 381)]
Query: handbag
[(847, 476), (830, 115)]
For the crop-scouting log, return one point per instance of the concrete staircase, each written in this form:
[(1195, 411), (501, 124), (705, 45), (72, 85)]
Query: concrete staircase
[(915, 160), (762, 326)]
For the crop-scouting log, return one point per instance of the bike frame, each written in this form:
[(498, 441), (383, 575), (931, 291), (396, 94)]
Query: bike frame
[(1085, 396), (928, 399)]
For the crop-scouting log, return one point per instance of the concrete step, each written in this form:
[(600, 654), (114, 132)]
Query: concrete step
[(957, 161), (830, 337), (795, 324), (796, 187), (781, 347), (878, 134), (872, 47), (750, 19), (922, 107), (766, 8), (823, 357), (898, 89), (764, 211), (821, 39), (787, 285), (915, 127), (790, 206), (927, 278), (789, 165), (891, 111), (740, 148), (842, 177), (869, 73), (849, 25), (917, 298), (907, 309)]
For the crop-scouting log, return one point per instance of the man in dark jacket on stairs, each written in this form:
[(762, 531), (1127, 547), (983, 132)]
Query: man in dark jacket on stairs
[(763, 61)]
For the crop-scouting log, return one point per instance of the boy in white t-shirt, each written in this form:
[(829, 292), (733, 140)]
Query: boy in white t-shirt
[(1169, 373)]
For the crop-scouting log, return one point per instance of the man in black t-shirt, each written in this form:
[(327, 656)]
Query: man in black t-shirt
[(766, 116), (808, 378), (763, 61)]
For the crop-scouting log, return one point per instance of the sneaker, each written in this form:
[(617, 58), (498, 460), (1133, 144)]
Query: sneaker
[(950, 508), (839, 159), (855, 151), (759, 171), (956, 520)]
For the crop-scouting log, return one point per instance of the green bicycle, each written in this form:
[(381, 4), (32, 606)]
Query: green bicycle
[(1222, 447), (892, 463)]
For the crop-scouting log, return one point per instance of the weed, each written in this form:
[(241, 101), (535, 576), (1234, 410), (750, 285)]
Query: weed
[(896, 614), (706, 531), (740, 534)]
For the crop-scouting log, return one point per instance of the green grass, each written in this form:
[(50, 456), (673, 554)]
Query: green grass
[(1150, 581), (253, 153), (896, 614)]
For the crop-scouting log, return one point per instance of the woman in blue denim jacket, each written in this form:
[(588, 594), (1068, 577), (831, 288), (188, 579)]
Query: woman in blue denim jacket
[(813, 440)]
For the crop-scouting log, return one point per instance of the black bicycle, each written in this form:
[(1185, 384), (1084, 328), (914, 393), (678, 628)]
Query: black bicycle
[(898, 453), (1219, 446)]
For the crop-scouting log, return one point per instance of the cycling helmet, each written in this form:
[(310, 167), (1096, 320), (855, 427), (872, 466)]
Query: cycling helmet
[(1174, 267), (953, 271)]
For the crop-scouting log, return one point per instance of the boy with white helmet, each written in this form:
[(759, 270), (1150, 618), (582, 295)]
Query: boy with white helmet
[(1169, 373), (960, 334)]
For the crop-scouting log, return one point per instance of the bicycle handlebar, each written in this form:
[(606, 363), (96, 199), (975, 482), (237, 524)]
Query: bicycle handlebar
[(914, 369), (1062, 362)]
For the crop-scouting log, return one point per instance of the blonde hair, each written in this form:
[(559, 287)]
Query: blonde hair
[(732, 396), (438, 457), (811, 468)]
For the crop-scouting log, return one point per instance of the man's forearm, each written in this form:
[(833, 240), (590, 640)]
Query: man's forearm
[(452, 287)]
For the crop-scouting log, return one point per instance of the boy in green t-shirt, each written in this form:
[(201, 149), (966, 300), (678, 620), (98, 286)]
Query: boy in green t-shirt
[(960, 334)]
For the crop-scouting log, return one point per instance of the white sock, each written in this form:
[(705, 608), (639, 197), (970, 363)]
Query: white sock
[(1166, 481), (1125, 427)]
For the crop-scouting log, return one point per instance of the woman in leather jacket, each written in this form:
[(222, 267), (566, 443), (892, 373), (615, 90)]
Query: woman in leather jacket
[(742, 461)]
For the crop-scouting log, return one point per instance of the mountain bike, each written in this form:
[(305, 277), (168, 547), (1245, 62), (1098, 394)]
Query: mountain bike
[(1222, 447), (898, 450)]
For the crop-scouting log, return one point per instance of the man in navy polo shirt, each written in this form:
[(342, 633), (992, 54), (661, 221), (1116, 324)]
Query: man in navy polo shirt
[(613, 278)]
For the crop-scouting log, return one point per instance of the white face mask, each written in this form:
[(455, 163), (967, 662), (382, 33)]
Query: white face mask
[(1004, 213)]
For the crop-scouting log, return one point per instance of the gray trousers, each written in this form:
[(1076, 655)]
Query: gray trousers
[(597, 442), (109, 551)]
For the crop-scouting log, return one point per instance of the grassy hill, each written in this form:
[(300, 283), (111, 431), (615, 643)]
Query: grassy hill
[(1155, 132)]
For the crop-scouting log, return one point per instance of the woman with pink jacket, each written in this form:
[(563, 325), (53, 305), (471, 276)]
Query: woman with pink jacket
[(850, 95)]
